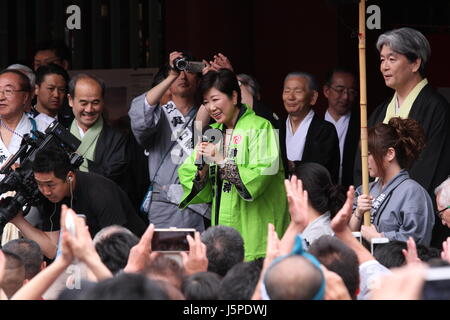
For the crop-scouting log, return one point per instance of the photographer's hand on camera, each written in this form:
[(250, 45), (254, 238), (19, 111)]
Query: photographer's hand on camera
[(155, 94)]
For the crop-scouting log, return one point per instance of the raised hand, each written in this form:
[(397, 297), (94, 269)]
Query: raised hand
[(196, 260), (298, 201), (141, 254), (339, 224), (445, 254), (221, 62), (410, 253)]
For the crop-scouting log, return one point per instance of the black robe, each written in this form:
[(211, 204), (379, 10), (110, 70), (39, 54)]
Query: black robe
[(321, 146), (110, 157), (350, 148), (432, 111)]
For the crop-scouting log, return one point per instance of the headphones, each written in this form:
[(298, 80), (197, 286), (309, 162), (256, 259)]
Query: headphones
[(70, 179)]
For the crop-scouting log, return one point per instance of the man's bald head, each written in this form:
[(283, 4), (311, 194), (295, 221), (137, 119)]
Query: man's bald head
[(293, 278)]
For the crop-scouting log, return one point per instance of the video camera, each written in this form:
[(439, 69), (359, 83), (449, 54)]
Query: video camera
[(21, 180)]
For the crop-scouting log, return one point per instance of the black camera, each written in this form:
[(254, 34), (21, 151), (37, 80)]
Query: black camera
[(21, 180), (183, 64)]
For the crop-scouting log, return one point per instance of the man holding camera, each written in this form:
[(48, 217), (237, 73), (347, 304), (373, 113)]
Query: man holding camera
[(96, 197), (166, 133)]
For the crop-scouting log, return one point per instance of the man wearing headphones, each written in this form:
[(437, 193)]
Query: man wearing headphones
[(102, 201)]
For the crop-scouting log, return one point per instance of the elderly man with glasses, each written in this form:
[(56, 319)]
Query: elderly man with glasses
[(341, 95), (15, 92)]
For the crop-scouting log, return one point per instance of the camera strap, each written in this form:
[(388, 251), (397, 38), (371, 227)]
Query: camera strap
[(145, 205)]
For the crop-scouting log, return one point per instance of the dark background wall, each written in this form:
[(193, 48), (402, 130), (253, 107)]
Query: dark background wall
[(268, 38), (265, 38)]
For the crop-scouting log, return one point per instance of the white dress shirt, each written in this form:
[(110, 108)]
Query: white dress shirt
[(341, 128), (295, 141)]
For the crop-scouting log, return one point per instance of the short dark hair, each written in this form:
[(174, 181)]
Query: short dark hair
[(114, 249), (30, 253), (338, 69), (391, 256), (339, 258), (322, 193), (57, 46), (14, 273), (126, 286), (224, 248), (49, 69), (201, 286), (24, 82), (223, 80), (73, 83), (240, 281), (52, 160)]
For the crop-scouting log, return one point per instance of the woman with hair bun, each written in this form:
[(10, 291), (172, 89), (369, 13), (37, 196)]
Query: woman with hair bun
[(400, 207)]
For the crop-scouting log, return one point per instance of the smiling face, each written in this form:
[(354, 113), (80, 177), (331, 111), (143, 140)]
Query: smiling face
[(396, 69), (221, 107), (87, 104), (297, 98), (50, 94), (14, 105)]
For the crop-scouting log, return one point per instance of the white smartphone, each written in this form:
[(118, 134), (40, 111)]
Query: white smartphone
[(357, 235), (70, 225), (377, 241)]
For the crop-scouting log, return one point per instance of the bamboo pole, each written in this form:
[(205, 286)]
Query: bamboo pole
[(363, 103)]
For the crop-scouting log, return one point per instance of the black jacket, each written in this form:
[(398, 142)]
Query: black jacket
[(350, 148), (321, 146)]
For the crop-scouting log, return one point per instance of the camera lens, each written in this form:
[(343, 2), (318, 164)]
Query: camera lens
[(180, 64)]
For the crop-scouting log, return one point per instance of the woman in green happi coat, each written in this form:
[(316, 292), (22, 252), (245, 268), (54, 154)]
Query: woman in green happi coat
[(239, 168)]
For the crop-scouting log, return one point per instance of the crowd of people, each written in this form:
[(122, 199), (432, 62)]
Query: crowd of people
[(276, 202)]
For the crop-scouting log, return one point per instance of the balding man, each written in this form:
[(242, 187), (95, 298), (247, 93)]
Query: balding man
[(103, 149), (303, 135), (294, 278)]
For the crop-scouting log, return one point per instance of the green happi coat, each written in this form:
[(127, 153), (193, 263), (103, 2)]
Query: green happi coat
[(254, 148)]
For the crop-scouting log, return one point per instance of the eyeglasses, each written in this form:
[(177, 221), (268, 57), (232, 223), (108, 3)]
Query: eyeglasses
[(8, 92), (340, 90), (441, 212)]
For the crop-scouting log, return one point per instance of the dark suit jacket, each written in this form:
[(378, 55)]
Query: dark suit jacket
[(110, 158), (350, 147), (321, 146)]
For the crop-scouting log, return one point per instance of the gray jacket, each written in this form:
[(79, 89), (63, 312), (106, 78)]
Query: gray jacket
[(402, 209), (152, 130)]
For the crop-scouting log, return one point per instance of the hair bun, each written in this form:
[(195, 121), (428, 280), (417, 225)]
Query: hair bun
[(411, 136)]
